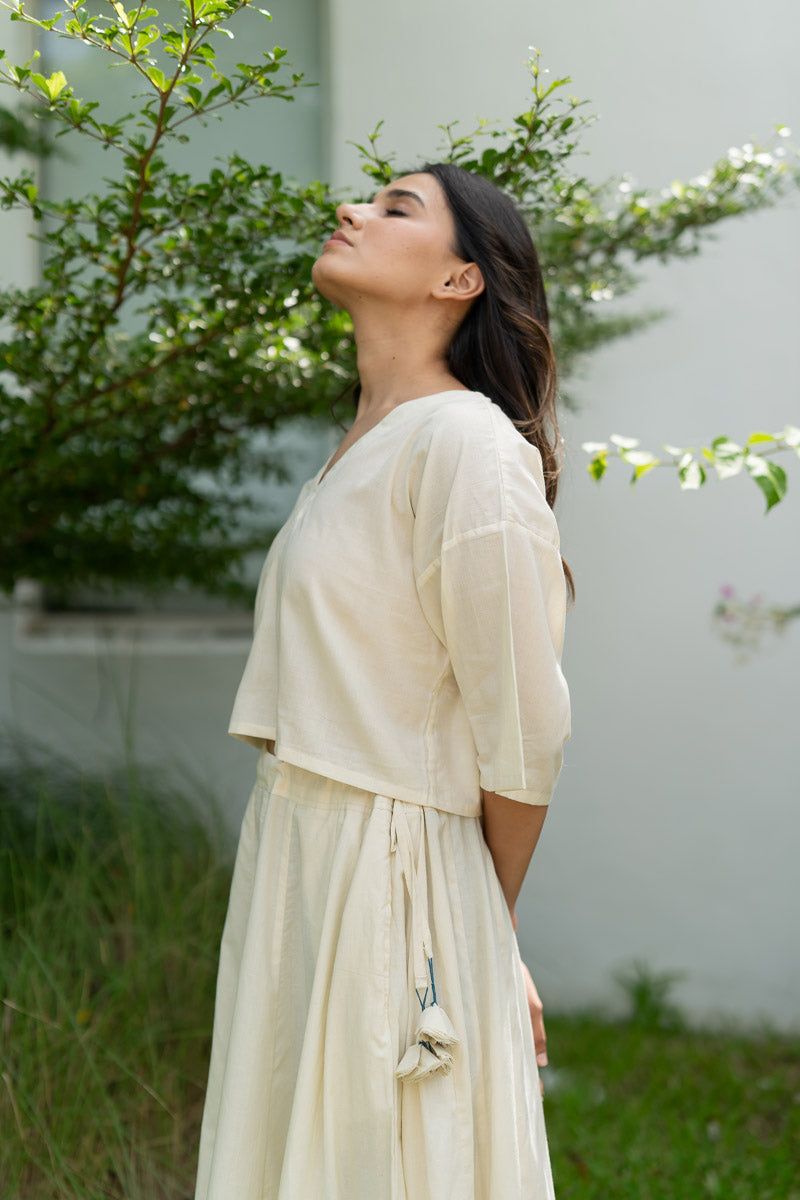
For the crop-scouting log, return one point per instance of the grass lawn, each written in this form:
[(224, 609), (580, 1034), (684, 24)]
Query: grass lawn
[(646, 1114), (111, 907)]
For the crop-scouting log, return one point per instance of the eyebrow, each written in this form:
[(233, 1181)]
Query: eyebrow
[(401, 194)]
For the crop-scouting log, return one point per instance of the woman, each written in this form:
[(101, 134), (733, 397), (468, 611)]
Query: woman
[(372, 1038)]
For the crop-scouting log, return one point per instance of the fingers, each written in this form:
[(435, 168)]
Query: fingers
[(537, 1021), (536, 1010)]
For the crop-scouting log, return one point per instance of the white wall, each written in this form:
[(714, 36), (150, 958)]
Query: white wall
[(417, 65), (674, 832)]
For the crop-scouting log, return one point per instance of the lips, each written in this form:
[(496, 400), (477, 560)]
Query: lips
[(338, 236)]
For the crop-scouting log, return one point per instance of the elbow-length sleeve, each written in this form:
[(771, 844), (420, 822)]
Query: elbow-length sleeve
[(491, 583)]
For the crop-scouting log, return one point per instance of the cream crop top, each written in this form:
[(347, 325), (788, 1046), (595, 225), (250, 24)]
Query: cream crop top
[(410, 615)]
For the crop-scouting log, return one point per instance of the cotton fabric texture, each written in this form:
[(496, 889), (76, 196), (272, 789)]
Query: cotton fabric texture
[(371, 1034), (410, 615), (316, 1006)]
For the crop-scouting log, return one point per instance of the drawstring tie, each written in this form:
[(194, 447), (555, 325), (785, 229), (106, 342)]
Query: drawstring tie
[(434, 1036)]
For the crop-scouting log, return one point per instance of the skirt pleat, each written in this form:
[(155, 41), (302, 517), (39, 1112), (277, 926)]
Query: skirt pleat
[(316, 1005)]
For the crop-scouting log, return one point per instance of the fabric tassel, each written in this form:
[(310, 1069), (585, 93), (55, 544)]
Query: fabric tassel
[(434, 1035), (431, 1051), (419, 1062), (436, 1027)]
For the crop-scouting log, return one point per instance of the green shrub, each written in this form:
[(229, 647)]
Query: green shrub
[(113, 900)]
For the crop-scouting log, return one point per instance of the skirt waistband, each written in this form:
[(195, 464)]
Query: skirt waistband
[(295, 783)]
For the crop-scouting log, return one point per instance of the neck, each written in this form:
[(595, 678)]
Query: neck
[(400, 357)]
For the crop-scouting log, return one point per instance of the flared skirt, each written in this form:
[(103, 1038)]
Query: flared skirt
[(349, 914)]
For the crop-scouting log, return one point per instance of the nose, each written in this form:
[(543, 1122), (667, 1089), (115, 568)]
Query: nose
[(350, 214)]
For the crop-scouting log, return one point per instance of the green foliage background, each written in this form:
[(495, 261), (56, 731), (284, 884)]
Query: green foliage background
[(175, 321)]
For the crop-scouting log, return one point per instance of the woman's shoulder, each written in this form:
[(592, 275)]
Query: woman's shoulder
[(459, 411), (468, 430), (463, 418), (470, 453)]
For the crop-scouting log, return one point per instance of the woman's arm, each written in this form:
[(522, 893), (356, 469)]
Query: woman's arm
[(511, 830)]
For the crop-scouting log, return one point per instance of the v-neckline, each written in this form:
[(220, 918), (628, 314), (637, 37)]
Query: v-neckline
[(333, 462), (331, 466)]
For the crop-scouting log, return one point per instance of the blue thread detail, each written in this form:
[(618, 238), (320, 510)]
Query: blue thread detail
[(433, 984), (431, 989)]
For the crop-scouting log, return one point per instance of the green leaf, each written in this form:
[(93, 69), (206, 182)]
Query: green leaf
[(770, 478), (145, 39), (642, 461), (157, 78), (597, 467), (726, 468), (691, 473), (52, 87), (761, 437), (56, 83), (727, 457)]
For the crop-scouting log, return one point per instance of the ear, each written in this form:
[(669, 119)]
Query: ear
[(465, 282)]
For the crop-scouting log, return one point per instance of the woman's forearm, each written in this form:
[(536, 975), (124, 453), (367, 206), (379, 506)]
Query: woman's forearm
[(511, 830)]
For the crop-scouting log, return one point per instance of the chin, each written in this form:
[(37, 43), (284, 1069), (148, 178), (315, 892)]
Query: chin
[(326, 286)]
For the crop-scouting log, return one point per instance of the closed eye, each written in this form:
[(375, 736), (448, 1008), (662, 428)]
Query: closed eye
[(395, 212)]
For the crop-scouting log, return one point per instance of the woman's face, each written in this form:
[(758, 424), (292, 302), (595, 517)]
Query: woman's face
[(396, 248)]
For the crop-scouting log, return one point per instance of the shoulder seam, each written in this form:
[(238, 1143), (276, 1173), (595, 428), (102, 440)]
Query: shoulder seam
[(481, 532)]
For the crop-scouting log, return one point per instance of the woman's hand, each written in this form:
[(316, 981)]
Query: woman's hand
[(536, 1010), (537, 1021)]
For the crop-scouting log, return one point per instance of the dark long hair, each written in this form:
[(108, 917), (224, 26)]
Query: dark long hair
[(502, 348)]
